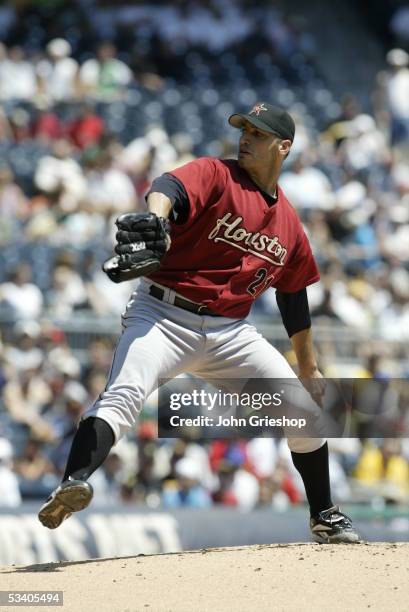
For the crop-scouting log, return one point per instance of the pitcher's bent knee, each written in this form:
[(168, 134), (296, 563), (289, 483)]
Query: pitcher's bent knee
[(305, 445), (119, 406)]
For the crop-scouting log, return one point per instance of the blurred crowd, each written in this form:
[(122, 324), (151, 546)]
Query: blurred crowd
[(184, 472), (98, 99), (45, 386)]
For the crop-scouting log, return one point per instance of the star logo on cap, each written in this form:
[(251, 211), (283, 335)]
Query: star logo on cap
[(257, 108)]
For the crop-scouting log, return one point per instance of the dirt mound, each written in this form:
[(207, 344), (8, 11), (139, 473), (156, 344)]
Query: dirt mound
[(275, 577)]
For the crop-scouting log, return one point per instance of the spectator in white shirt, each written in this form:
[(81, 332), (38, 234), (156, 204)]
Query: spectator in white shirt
[(306, 185), (67, 292), (60, 174), (58, 72), (109, 190), (18, 77), (397, 88), (9, 489), (105, 77), (21, 295)]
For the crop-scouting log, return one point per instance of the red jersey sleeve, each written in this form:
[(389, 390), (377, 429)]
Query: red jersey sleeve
[(204, 180), (301, 270)]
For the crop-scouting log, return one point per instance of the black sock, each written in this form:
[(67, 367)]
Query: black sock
[(92, 442), (314, 471)]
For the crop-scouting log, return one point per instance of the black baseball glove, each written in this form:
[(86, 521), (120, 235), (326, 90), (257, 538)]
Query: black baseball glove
[(142, 240)]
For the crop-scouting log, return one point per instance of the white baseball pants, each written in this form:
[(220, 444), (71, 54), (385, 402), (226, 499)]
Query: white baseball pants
[(160, 340)]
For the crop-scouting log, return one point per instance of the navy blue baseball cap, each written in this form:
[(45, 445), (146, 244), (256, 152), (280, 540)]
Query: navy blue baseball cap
[(269, 118)]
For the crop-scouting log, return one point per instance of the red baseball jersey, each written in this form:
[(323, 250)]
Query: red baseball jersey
[(233, 246)]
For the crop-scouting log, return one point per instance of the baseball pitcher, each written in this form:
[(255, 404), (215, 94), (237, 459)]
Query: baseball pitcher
[(218, 233)]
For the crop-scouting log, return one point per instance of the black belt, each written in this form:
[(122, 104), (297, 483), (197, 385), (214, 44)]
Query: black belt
[(199, 309)]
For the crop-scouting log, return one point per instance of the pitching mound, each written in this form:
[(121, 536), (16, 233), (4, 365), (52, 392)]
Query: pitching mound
[(275, 577)]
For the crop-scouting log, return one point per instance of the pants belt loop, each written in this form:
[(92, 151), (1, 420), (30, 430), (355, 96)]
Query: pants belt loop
[(172, 295), (166, 295)]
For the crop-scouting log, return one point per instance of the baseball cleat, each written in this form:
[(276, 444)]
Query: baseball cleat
[(71, 496), (333, 527)]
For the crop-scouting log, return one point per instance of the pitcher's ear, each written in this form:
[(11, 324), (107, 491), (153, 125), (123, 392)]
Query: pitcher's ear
[(284, 147)]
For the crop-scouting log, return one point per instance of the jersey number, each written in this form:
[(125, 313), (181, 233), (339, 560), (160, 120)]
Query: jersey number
[(261, 279)]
